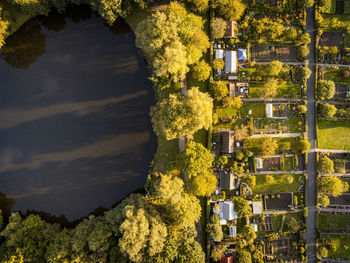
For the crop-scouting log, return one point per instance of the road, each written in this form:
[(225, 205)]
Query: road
[(311, 182)]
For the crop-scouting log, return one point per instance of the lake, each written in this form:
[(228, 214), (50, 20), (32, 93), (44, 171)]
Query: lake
[(75, 133)]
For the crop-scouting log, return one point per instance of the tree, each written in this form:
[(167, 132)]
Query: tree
[(292, 224), (289, 179), (215, 232), (178, 116), (323, 200), (267, 145), (235, 102), (326, 89), (223, 159), (327, 111), (323, 251), (326, 165), (244, 256), (241, 132), (273, 68), (218, 64), (218, 27), (242, 207), (269, 89), (218, 252), (201, 71), (195, 159), (301, 146), (203, 184), (199, 5), (3, 29), (250, 180), (229, 9), (309, 3), (219, 89), (303, 51), (333, 185), (269, 179), (248, 233), (304, 39), (305, 73), (302, 109)]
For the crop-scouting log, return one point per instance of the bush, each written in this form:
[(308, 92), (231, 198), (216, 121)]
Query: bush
[(218, 64), (218, 27), (326, 165), (325, 89), (327, 111), (201, 71), (303, 51)]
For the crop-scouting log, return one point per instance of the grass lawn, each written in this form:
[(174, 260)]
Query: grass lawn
[(286, 90), (227, 112), (258, 109), (201, 136), (342, 243), (279, 184), (295, 125), (252, 144), (326, 221), (165, 155), (287, 164), (334, 135), (337, 76)]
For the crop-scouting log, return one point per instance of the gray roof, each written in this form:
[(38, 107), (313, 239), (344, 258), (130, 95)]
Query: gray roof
[(227, 142), (231, 61), (227, 180)]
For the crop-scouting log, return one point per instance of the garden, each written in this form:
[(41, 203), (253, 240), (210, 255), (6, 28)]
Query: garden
[(277, 183), (333, 134), (338, 246), (329, 221)]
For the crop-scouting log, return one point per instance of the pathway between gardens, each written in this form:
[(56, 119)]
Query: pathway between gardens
[(311, 200)]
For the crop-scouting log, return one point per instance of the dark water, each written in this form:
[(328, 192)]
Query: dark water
[(74, 127)]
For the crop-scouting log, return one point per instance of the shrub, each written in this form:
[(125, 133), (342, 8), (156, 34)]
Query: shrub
[(327, 111), (326, 89), (326, 165), (218, 64), (201, 71), (218, 27), (303, 51)]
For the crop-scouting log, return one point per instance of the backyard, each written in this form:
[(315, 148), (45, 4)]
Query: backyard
[(264, 183), (333, 135), (337, 75), (327, 221), (342, 244)]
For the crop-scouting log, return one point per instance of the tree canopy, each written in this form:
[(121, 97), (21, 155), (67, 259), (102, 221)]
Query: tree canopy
[(326, 165), (325, 89), (269, 89), (229, 9), (333, 185), (178, 116)]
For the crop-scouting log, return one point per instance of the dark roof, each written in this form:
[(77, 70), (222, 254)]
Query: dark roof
[(229, 259), (230, 29), (227, 142), (278, 203), (227, 180)]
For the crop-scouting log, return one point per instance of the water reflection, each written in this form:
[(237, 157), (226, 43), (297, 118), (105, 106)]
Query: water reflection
[(74, 127)]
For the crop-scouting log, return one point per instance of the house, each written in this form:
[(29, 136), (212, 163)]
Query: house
[(232, 230), (242, 54), (227, 180), (226, 211), (269, 110), (227, 259), (231, 61), (257, 207), (230, 29), (219, 53), (280, 201), (227, 142)]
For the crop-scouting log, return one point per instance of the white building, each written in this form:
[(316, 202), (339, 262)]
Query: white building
[(269, 110), (225, 211), (257, 207), (231, 61), (219, 53), (233, 231)]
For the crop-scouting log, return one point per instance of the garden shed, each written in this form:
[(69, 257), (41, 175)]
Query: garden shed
[(258, 163), (242, 54), (230, 29), (219, 53), (269, 110), (231, 61)]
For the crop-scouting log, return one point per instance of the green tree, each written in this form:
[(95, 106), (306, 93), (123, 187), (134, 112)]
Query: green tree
[(219, 89), (218, 252), (303, 51), (199, 5), (267, 145), (242, 207), (229, 9), (218, 64), (269, 179), (302, 109), (203, 184), (235, 102), (218, 27), (323, 200), (273, 68), (215, 232), (244, 256), (326, 165), (305, 73), (325, 89), (292, 224), (3, 29), (223, 159), (327, 111), (248, 233), (250, 180), (178, 116), (301, 146), (201, 71), (269, 89), (323, 251), (333, 185)]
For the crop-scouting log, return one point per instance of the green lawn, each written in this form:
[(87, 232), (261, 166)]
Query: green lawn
[(334, 135), (286, 90), (287, 164), (342, 244), (258, 109), (227, 112), (337, 76), (326, 221), (166, 154), (252, 144), (278, 185), (295, 125)]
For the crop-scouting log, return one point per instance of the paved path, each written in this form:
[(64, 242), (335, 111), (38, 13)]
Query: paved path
[(331, 151), (278, 172), (278, 135), (334, 102), (311, 200), (271, 99), (331, 65), (284, 62)]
